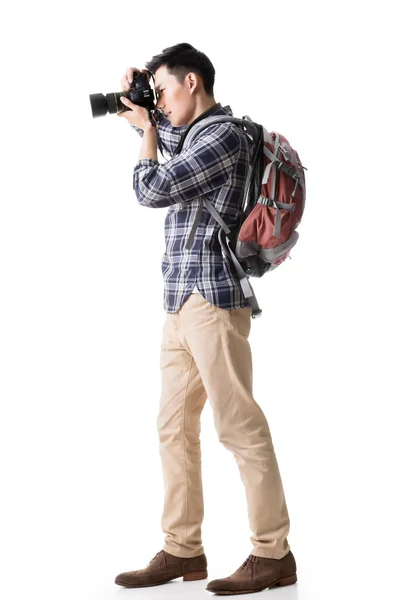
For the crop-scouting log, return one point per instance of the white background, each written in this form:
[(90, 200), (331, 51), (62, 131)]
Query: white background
[(81, 300)]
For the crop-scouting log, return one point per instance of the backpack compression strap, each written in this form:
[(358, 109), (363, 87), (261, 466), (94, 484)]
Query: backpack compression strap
[(225, 243)]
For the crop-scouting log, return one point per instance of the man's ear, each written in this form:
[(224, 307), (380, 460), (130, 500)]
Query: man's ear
[(194, 81)]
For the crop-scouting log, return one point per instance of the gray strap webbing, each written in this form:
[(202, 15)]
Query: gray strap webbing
[(193, 131), (277, 227), (270, 154), (195, 225), (191, 134), (244, 280), (278, 206), (274, 167), (217, 216), (267, 136), (268, 201), (273, 157), (267, 172)]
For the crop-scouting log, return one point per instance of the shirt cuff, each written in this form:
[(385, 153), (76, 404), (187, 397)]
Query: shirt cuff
[(147, 162)]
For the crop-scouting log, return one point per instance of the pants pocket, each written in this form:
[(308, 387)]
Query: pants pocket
[(240, 319)]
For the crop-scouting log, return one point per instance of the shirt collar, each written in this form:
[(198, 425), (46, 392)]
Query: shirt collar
[(216, 109)]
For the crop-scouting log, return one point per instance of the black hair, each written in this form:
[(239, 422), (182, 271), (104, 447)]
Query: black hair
[(182, 59)]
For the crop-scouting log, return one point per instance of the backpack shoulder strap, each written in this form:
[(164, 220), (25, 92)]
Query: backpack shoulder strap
[(189, 137), (225, 244), (245, 123)]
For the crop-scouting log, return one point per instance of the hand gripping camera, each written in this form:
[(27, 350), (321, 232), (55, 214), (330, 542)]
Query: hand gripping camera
[(140, 93)]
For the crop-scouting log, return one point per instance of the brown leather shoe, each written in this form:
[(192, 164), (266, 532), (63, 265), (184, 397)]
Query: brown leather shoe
[(164, 567), (256, 574)]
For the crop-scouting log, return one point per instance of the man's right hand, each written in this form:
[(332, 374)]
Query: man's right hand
[(127, 79)]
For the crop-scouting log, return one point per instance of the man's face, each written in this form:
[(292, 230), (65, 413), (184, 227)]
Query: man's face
[(173, 98)]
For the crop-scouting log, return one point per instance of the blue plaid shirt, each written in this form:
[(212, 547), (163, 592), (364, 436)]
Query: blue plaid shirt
[(214, 166)]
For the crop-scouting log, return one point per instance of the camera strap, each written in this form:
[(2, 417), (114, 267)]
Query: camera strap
[(204, 115)]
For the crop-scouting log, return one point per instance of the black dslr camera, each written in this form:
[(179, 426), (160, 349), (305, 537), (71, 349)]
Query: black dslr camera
[(140, 93)]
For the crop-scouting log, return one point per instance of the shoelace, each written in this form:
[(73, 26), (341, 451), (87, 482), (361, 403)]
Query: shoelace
[(154, 557), (248, 562)]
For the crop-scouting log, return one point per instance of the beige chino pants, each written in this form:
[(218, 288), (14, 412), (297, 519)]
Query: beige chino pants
[(205, 353)]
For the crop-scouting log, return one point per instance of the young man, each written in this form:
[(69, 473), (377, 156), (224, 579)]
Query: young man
[(205, 351)]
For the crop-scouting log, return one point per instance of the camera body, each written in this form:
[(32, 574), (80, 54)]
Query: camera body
[(140, 93)]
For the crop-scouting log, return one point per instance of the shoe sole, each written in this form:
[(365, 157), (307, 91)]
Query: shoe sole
[(196, 576), (283, 581)]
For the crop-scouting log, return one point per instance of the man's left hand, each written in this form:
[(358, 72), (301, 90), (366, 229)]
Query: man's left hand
[(137, 115)]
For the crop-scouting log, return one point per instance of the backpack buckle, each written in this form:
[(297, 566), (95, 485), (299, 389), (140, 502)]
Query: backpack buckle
[(291, 171)]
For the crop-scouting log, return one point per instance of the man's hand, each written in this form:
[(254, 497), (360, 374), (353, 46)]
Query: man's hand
[(137, 115), (127, 78)]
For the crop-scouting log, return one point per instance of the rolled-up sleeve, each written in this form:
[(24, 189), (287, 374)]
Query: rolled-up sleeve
[(198, 170), (169, 136)]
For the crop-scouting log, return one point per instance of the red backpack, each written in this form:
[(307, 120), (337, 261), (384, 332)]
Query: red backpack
[(272, 205)]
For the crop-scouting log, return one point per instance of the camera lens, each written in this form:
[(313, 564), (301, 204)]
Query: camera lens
[(140, 94), (102, 104), (98, 104)]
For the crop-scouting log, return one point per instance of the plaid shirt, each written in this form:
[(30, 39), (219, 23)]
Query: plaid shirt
[(215, 167)]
